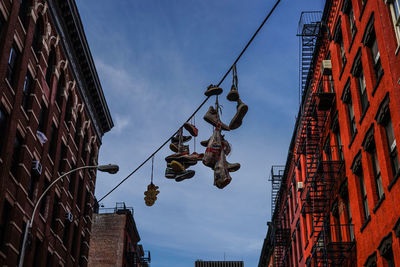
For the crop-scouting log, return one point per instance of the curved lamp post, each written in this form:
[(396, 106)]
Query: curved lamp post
[(110, 168)]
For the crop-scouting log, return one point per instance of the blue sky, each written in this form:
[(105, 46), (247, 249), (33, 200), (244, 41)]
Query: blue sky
[(155, 58)]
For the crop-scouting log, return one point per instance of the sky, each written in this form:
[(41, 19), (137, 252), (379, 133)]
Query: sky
[(155, 58)]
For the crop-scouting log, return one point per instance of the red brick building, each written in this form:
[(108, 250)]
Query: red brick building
[(335, 202), (114, 240), (53, 115)]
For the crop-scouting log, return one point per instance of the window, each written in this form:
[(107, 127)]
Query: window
[(348, 216), (3, 126), (37, 256), (337, 231), (42, 117), (296, 258), (23, 11), (16, 154), (376, 58), (37, 36), (394, 7), (50, 67), (342, 49), (300, 247), (362, 87), (26, 91), (377, 172), (339, 143), (78, 130), (60, 88), (68, 110), (12, 64), (4, 223), (392, 146), (363, 192), (56, 204), (352, 119), (352, 21), (72, 181), (32, 184), (53, 142), (45, 200), (305, 227), (63, 158)]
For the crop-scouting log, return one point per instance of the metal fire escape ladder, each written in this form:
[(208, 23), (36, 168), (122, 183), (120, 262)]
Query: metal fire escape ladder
[(321, 175), (280, 234)]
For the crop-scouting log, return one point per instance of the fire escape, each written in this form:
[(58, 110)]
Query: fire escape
[(280, 231), (331, 243)]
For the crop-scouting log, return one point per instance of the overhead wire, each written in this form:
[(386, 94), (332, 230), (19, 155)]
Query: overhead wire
[(199, 107)]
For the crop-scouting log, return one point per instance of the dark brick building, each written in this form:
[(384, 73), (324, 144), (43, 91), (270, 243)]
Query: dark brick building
[(52, 118), (114, 240), (335, 202)]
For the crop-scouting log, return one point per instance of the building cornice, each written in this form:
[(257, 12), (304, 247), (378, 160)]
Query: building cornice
[(68, 23)]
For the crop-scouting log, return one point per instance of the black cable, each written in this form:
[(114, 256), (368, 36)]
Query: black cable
[(201, 105)]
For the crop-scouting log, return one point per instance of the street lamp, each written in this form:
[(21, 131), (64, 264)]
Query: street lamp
[(110, 168)]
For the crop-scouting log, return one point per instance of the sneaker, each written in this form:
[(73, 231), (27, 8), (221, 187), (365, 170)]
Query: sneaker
[(184, 175), (191, 129), (226, 147), (212, 118), (241, 111), (197, 156), (174, 147), (232, 167), (177, 166), (175, 139), (233, 94), (175, 156), (221, 177), (204, 143), (170, 173), (213, 90)]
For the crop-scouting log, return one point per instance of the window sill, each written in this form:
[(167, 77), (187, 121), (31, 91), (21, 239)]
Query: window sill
[(396, 177), (363, 115), (365, 223), (379, 203), (352, 138), (378, 81)]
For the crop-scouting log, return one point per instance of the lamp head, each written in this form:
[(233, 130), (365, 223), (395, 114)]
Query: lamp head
[(110, 168)]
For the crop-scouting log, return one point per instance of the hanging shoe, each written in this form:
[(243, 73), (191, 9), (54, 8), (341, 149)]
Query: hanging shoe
[(170, 173), (175, 139), (212, 118), (233, 94), (175, 156), (184, 175), (213, 90), (177, 166), (226, 146), (197, 156), (175, 147), (191, 129), (232, 167), (204, 143), (241, 111)]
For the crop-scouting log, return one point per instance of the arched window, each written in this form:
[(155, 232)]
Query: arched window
[(60, 88), (50, 66), (37, 36)]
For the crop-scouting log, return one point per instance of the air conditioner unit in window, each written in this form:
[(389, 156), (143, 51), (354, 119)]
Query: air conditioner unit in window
[(326, 67), (299, 186), (37, 167), (69, 216)]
